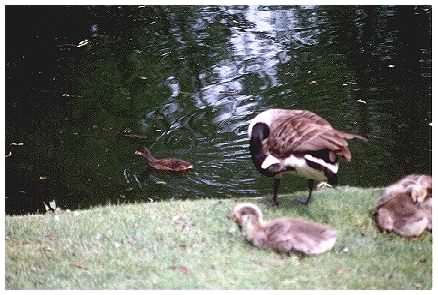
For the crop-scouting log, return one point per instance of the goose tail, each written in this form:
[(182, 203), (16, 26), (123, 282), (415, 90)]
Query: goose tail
[(347, 135)]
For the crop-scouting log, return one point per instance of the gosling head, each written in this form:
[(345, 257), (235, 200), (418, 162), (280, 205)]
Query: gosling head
[(418, 194), (244, 209), (426, 182)]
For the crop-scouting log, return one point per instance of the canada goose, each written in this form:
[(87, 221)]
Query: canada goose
[(406, 206), (283, 234), (172, 165), (298, 142)]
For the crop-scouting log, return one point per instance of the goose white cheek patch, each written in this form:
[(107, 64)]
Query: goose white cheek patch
[(269, 161)]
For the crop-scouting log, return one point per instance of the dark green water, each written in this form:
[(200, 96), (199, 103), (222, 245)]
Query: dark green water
[(184, 81)]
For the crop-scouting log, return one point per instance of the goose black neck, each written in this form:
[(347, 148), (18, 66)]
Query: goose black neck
[(259, 132)]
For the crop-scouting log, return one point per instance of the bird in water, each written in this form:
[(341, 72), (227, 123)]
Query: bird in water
[(170, 165), (297, 142)]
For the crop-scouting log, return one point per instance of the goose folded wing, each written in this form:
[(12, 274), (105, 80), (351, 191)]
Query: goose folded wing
[(306, 136), (306, 116)]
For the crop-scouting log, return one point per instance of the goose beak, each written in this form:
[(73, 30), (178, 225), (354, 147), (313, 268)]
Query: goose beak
[(138, 153)]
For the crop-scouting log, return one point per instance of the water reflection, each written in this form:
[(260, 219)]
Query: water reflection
[(184, 81)]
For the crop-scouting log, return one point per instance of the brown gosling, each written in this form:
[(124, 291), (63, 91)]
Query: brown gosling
[(406, 206), (283, 234)]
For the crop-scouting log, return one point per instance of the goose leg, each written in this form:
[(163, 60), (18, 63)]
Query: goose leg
[(275, 192), (310, 186), (303, 201)]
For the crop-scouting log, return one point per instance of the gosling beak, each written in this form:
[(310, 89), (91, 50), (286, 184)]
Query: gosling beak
[(232, 217)]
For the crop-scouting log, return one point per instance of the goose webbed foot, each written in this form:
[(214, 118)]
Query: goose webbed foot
[(304, 200)]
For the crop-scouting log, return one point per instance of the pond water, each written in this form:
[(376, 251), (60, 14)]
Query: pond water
[(87, 86)]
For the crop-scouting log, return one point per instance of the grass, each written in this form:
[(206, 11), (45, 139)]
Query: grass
[(191, 245)]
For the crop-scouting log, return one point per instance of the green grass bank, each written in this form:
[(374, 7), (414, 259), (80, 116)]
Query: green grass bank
[(192, 245)]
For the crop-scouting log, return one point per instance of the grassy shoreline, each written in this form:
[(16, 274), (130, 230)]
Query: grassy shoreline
[(192, 245)]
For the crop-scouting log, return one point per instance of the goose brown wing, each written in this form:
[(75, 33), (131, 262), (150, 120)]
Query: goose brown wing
[(302, 134), (302, 115)]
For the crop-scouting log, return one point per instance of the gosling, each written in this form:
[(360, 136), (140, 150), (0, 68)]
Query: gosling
[(287, 235), (406, 206)]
